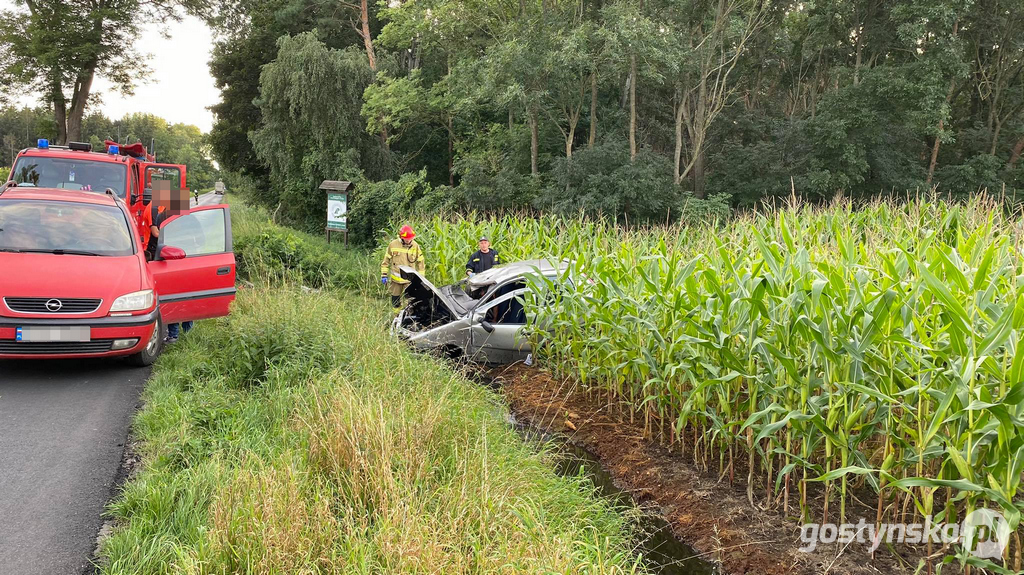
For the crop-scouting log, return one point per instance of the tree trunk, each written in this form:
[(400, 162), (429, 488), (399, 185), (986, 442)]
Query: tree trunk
[(949, 98), (593, 110), (995, 136), (569, 139), (698, 173), (676, 174), (451, 155), (1015, 155), (632, 107), (83, 86), (60, 113), (364, 20), (534, 142), (935, 156)]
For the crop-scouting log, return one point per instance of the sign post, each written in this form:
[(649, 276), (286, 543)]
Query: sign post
[(337, 207)]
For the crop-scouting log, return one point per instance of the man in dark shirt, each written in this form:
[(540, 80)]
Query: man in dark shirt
[(483, 259)]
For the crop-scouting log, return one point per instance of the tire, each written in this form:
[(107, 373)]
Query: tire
[(148, 355)]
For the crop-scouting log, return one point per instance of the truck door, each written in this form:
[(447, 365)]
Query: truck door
[(194, 269)]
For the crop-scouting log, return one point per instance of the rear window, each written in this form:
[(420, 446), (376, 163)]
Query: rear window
[(64, 227), (70, 174)]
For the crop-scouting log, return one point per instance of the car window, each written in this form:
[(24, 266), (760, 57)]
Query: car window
[(507, 310), (70, 174), (56, 226), (199, 233), (501, 290)]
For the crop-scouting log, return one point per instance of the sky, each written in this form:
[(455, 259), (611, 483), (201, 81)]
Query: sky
[(179, 87)]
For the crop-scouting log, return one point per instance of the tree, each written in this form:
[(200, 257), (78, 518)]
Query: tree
[(57, 47), (716, 34), (311, 129)]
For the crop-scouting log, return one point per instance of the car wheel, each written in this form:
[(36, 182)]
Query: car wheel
[(152, 350)]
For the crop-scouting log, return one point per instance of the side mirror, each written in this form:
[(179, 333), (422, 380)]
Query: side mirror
[(487, 326), (172, 253)]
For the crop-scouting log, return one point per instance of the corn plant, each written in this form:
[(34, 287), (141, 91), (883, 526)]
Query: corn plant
[(818, 350)]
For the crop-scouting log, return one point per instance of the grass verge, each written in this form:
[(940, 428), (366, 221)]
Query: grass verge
[(296, 436)]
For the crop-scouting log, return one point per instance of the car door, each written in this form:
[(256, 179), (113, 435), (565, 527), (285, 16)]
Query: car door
[(202, 283), (497, 330)]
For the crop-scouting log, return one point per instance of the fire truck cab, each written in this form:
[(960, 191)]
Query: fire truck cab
[(127, 170)]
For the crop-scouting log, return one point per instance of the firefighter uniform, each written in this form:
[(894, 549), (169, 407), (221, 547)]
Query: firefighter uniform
[(400, 254)]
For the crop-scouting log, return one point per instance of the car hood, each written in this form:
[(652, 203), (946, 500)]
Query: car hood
[(67, 276), (421, 291)]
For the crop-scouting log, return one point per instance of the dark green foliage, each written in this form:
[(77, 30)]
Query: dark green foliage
[(603, 182), (310, 98), (816, 99), (375, 205), (280, 254)]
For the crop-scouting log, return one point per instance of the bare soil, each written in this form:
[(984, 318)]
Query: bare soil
[(705, 512)]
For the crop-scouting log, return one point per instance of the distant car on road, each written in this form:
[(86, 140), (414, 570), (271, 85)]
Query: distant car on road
[(74, 280), (481, 317)]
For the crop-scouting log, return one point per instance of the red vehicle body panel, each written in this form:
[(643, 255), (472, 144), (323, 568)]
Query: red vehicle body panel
[(196, 287)]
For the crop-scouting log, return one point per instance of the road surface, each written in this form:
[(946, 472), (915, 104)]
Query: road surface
[(207, 199), (63, 425)]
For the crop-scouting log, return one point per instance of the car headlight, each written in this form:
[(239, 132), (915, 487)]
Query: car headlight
[(135, 301)]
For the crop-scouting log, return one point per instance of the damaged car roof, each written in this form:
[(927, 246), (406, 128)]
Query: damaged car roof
[(504, 273)]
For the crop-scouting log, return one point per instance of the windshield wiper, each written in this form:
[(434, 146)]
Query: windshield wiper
[(61, 252), (10, 250)]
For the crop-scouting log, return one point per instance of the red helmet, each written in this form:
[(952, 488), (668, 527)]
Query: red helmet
[(406, 233)]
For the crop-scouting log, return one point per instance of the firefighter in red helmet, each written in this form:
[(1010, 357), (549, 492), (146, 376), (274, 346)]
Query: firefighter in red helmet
[(401, 252)]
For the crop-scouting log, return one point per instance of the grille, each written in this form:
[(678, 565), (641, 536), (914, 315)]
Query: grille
[(47, 347), (39, 305)]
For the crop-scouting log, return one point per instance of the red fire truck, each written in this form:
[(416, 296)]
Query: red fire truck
[(128, 170)]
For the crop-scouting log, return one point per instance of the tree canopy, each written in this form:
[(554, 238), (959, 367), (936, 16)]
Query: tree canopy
[(57, 47), (633, 109)]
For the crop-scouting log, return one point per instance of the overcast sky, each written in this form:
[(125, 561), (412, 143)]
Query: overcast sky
[(179, 88)]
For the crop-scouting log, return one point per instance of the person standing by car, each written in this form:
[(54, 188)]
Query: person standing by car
[(401, 252), (166, 203), (482, 259)]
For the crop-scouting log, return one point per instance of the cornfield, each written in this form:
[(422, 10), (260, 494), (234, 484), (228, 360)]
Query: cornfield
[(817, 355)]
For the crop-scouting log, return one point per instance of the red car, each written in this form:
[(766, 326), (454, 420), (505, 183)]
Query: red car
[(74, 280)]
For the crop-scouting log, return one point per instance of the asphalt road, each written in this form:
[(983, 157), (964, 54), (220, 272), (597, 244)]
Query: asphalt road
[(63, 425)]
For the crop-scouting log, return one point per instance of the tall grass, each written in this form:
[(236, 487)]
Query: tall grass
[(296, 436), (802, 349)]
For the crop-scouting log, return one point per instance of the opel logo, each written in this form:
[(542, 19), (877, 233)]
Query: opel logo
[(54, 305)]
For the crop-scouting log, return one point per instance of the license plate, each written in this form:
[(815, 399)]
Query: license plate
[(54, 333)]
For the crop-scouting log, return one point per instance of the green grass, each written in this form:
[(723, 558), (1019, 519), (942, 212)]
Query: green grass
[(296, 436)]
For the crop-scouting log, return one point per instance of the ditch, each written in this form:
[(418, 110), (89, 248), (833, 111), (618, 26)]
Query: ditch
[(662, 552)]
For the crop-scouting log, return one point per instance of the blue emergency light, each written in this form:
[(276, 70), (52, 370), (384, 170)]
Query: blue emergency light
[(43, 144), (113, 150)]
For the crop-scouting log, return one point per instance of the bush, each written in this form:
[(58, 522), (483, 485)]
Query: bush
[(283, 255), (603, 181), (376, 204), (5, 173), (284, 341)]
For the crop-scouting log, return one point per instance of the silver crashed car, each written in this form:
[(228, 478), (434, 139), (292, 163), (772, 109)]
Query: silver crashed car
[(480, 318)]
